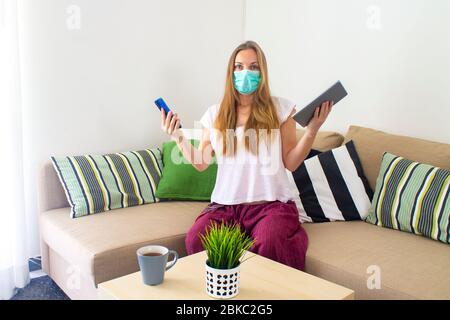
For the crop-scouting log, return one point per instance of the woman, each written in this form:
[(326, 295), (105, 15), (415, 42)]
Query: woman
[(253, 138)]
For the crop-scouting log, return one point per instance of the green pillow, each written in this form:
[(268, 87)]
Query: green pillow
[(180, 180), (98, 183), (412, 197)]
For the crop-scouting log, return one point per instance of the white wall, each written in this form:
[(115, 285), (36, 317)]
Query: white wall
[(396, 68), (91, 90)]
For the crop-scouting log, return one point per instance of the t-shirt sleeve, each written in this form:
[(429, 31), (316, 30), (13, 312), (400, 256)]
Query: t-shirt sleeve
[(207, 120), (285, 107)]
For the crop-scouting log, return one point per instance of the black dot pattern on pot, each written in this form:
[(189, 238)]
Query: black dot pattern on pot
[(222, 285)]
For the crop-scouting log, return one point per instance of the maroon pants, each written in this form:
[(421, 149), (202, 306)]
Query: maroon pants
[(274, 226)]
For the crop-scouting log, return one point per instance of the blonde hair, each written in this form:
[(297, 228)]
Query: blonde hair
[(263, 112)]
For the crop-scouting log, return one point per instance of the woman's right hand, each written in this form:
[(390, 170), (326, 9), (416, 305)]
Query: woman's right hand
[(170, 124), (319, 117)]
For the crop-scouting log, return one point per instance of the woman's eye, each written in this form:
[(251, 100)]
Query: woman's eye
[(254, 67), (238, 67)]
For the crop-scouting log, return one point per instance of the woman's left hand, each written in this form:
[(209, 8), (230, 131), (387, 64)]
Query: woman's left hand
[(320, 115)]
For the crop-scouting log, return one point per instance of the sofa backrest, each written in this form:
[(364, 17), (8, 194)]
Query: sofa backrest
[(325, 140), (370, 145), (51, 194)]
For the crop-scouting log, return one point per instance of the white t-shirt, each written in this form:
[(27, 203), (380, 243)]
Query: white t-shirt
[(246, 177)]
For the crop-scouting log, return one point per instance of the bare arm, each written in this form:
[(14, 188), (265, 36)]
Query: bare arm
[(294, 153), (200, 157)]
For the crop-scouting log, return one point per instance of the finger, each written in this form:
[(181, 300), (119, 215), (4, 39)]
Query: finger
[(327, 111), (177, 125), (322, 107), (323, 112), (172, 123), (316, 112), (168, 118), (320, 115), (163, 117)]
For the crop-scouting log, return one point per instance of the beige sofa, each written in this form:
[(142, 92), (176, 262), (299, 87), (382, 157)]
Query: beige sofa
[(78, 254)]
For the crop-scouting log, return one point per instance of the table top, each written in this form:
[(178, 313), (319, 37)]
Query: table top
[(260, 279)]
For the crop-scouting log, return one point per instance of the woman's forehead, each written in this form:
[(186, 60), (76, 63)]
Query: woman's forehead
[(247, 56)]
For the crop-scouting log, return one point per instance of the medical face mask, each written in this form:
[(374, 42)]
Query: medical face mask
[(246, 81)]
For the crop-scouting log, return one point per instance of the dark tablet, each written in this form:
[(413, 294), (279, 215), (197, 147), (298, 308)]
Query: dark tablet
[(335, 93)]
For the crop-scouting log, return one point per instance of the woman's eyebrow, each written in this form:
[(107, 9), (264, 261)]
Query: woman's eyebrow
[(255, 62)]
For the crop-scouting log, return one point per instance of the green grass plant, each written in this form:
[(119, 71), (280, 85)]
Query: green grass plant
[(225, 245)]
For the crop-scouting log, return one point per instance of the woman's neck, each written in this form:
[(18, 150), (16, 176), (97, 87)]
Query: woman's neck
[(245, 100)]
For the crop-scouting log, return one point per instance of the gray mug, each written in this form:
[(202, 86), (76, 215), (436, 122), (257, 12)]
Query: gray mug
[(153, 263)]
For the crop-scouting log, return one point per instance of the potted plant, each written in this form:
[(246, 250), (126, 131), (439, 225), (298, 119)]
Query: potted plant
[(225, 245)]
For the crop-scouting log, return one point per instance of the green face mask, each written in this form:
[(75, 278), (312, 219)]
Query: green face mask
[(246, 81)]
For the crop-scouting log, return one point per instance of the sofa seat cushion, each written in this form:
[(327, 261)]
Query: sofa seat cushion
[(104, 245), (411, 267)]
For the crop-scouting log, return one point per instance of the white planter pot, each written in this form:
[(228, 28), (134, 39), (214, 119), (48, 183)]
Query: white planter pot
[(222, 283)]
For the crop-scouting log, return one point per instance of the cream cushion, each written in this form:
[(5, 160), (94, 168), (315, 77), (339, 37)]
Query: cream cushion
[(104, 245)]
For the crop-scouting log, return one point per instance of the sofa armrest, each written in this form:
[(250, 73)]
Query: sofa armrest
[(51, 194)]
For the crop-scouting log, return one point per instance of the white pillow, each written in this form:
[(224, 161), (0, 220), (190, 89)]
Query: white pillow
[(332, 186)]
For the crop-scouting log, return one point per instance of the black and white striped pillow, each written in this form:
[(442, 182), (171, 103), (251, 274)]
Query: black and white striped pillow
[(332, 187)]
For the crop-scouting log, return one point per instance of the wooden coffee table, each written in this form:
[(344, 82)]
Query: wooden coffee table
[(260, 278)]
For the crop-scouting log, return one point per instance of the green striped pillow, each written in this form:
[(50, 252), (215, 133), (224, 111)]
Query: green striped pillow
[(412, 197), (98, 183)]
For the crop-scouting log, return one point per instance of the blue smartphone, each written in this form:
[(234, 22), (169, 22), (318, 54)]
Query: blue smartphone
[(160, 103)]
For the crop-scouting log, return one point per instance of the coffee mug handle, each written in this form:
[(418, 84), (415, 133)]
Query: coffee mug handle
[(175, 258)]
